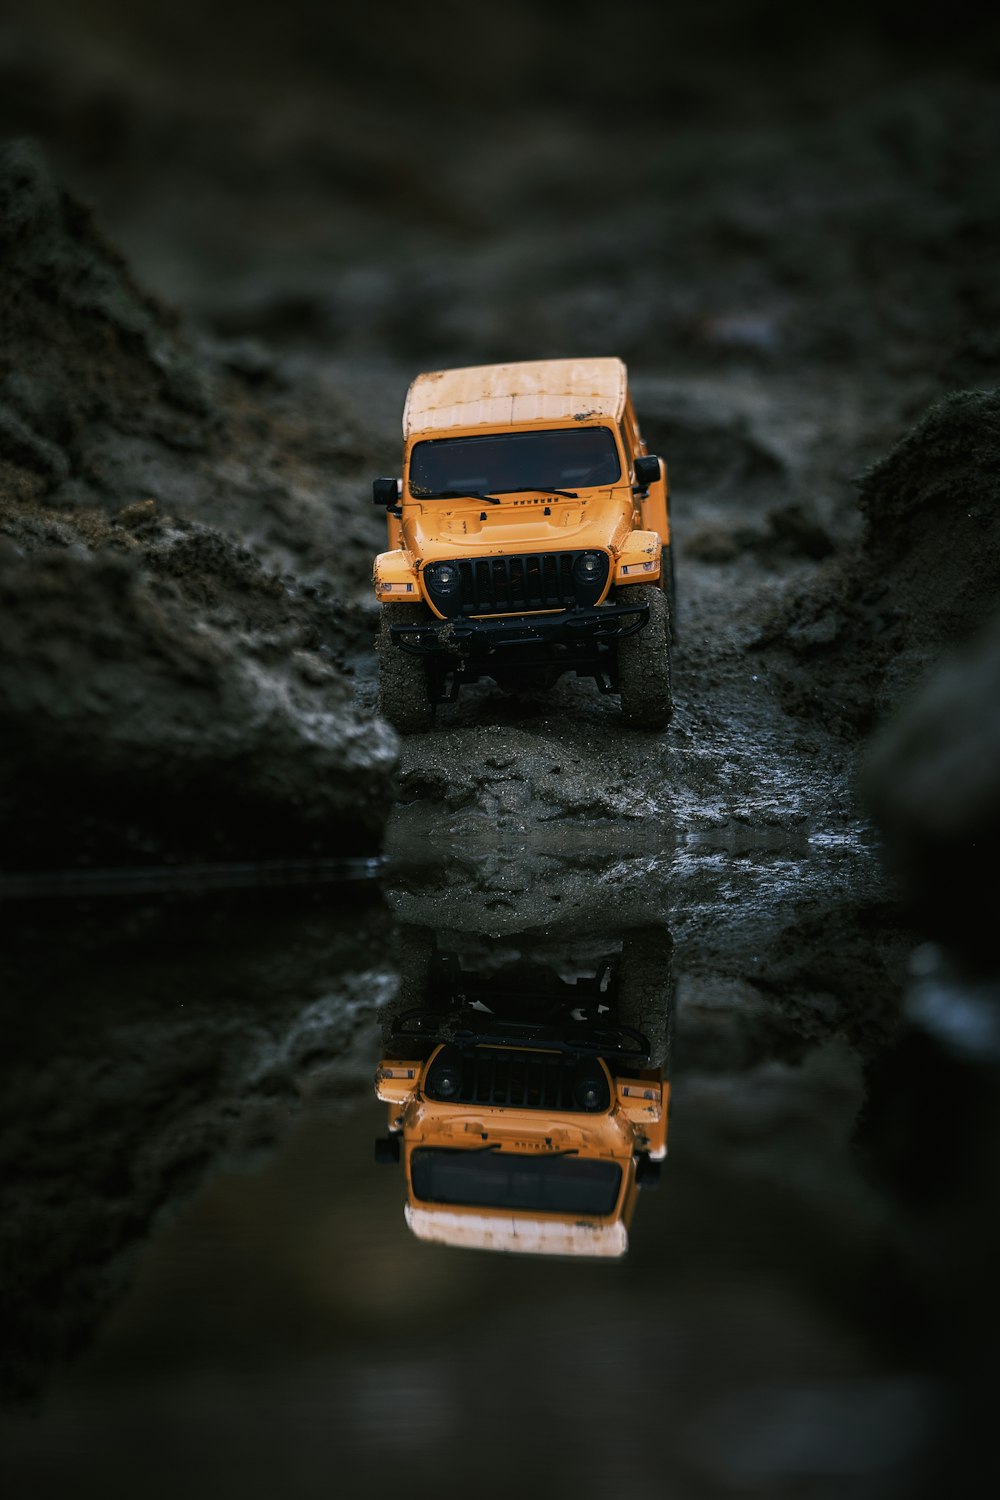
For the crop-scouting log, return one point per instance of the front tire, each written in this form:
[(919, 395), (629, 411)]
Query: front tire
[(645, 989), (644, 662), (669, 587), (404, 693)]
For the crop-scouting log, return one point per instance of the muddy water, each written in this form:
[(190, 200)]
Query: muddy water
[(212, 1286)]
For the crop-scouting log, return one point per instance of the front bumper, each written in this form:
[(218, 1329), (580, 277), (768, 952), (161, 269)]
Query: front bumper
[(580, 626), (607, 1038)]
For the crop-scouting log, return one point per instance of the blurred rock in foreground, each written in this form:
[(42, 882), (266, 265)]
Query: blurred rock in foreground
[(934, 787)]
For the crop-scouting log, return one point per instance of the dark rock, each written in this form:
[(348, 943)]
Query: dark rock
[(175, 708), (934, 788), (85, 349), (160, 691), (923, 579)]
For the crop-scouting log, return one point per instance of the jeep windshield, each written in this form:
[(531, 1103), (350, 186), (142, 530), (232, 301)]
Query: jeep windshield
[(503, 1179), (505, 462)]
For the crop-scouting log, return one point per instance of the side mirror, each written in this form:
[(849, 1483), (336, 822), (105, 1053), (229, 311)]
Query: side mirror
[(385, 492), (647, 471)]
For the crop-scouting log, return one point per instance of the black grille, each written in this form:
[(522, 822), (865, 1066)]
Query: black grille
[(521, 583), (528, 1080)]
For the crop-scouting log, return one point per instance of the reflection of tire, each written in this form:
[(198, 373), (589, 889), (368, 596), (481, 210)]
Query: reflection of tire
[(644, 662), (412, 953), (404, 694), (645, 997), (647, 1173)]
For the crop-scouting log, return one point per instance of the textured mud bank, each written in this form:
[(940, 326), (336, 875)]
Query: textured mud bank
[(164, 690), (923, 579)]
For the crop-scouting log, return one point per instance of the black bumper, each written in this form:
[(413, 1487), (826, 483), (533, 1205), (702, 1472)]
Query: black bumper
[(479, 637), (606, 1038)]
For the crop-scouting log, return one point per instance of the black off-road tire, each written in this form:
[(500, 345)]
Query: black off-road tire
[(669, 587), (644, 662), (386, 1150), (645, 990), (404, 694), (411, 951)]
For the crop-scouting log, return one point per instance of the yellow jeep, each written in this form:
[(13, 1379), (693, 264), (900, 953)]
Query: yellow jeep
[(528, 536), (526, 1109)]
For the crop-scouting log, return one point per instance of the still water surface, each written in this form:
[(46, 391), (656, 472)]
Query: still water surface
[(215, 1289)]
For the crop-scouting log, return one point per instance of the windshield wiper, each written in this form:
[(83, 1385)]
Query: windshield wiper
[(569, 494), (455, 495)]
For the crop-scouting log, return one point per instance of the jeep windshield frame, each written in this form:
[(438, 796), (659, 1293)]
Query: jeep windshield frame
[(555, 1184), (508, 463)]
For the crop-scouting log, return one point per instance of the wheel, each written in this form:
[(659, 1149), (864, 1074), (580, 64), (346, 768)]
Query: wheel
[(645, 989), (412, 951), (404, 694), (414, 948), (644, 662), (669, 587), (647, 1173)]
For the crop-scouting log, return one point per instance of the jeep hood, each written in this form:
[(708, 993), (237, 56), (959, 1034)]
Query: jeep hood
[(434, 529)]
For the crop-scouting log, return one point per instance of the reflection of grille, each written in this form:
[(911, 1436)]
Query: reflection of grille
[(529, 1080), (533, 580)]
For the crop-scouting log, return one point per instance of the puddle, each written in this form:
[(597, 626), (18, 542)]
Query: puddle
[(608, 1142), (186, 879)]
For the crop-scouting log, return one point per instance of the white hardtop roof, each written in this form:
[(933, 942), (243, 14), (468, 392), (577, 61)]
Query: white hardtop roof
[(472, 1231), (522, 394)]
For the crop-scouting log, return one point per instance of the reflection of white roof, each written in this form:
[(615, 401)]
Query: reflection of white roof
[(520, 1236), (538, 390)]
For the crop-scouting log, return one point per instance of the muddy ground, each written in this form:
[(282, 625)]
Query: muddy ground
[(185, 506), (186, 530), (223, 261)]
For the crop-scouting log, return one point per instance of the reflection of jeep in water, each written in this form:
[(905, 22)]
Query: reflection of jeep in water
[(529, 536), (527, 1106)]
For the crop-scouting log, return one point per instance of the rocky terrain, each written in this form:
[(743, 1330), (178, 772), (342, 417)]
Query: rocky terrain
[(161, 675)]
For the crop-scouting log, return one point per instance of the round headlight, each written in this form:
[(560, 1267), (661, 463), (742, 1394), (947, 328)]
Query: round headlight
[(443, 578), (444, 1077), (588, 567), (590, 1087)]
